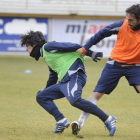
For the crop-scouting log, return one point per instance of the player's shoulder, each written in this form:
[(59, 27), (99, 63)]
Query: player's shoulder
[(118, 23)]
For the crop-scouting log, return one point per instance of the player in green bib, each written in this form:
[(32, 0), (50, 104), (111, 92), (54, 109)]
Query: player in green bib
[(66, 65)]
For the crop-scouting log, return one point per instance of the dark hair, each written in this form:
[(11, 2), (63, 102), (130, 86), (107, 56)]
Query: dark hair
[(134, 9), (32, 38)]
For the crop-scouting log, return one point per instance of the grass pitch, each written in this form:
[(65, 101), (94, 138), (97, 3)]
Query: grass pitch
[(21, 118)]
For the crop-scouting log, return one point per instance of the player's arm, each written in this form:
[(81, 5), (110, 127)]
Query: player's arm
[(57, 47), (103, 33), (52, 78), (60, 47)]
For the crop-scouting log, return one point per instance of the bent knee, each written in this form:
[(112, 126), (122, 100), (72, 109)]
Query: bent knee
[(97, 95), (39, 96), (74, 102)]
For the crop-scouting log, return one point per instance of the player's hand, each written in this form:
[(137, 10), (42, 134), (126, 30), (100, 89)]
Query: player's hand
[(96, 56), (81, 52)]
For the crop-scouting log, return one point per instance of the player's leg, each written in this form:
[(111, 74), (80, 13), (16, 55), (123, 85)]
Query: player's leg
[(73, 89), (132, 74), (77, 125), (138, 87), (94, 97), (108, 81), (45, 98)]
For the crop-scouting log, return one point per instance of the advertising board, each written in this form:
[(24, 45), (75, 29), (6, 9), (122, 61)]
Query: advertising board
[(12, 28)]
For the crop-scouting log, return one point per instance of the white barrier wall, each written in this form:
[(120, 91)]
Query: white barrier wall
[(67, 7)]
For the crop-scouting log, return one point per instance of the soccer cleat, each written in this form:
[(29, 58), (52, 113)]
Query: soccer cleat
[(75, 126), (61, 125), (111, 126)]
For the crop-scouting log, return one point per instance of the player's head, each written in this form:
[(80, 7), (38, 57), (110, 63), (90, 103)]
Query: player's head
[(133, 16), (32, 39)]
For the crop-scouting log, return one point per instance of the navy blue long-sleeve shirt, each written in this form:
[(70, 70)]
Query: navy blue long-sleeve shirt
[(63, 47), (105, 32)]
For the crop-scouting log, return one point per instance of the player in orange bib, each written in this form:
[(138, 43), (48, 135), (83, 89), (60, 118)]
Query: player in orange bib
[(123, 61)]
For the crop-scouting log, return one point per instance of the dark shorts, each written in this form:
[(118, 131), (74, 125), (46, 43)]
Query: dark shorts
[(71, 88), (111, 75)]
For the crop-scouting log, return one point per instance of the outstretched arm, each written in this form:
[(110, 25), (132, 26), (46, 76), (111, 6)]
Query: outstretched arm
[(103, 33)]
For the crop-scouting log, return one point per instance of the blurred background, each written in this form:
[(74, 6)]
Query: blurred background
[(60, 20)]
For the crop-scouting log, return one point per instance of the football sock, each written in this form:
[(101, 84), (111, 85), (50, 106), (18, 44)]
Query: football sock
[(62, 120), (85, 115), (109, 118)]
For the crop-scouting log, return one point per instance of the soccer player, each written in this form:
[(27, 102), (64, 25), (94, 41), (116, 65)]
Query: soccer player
[(123, 61), (67, 65)]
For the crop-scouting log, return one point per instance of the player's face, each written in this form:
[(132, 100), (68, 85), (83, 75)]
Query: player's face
[(132, 21), (29, 48)]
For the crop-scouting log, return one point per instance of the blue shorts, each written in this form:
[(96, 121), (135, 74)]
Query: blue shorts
[(111, 75)]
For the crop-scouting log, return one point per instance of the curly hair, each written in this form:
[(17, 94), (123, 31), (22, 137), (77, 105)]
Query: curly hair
[(32, 38), (134, 9)]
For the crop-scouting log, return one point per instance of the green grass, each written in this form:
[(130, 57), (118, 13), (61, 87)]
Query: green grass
[(21, 118)]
